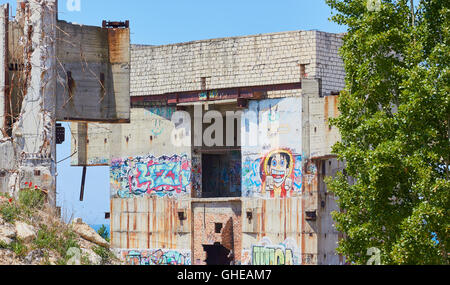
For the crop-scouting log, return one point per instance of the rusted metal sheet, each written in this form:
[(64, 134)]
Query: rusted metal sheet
[(273, 224), (144, 223), (216, 94), (93, 74)]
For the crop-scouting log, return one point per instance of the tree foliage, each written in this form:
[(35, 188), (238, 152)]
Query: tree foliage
[(394, 123)]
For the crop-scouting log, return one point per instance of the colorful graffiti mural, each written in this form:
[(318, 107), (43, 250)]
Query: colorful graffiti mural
[(276, 175), (156, 257), (265, 253), (162, 176)]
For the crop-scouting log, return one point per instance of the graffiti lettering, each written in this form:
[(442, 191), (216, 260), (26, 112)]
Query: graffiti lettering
[(151, 176), (271, 256), (156, 257), (267, 254)]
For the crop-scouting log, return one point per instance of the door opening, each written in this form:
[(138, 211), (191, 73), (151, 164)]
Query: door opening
[(217, 254)]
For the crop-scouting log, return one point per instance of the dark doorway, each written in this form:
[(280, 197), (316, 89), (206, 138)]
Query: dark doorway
[(217, 254), (221, 175)]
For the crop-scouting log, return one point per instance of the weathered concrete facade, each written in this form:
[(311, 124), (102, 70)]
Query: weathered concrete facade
[(256, 196), (53, 71)]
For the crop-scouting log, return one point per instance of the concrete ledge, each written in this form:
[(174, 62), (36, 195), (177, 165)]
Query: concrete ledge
[(216, 200)]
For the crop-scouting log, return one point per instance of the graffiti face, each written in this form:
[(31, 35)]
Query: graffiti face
[(279, 174), (278, 167)]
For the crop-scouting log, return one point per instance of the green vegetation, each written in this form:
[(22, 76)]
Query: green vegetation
[(10, 212), (106, 255), (395, 127), (55, 239), (103, 232)]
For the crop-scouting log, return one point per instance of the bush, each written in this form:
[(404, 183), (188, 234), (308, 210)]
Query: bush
[(10, 212), (105, 254), (32, 199), (103, 232), (60, 242)]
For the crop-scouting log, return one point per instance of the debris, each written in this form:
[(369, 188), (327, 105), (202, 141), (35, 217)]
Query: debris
[(89, 234), (25, 232)]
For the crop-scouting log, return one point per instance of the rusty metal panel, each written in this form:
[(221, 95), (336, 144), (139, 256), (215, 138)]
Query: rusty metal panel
[(275, 226), (93, 73), (147, 223)]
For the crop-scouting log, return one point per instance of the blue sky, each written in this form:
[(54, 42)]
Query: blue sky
[(159, 22)]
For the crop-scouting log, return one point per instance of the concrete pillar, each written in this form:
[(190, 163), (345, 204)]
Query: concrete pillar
[(35, 130), (3, 64)]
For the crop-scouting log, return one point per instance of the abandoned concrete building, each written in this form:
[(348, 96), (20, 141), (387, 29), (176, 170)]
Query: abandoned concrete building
[(255, 196)]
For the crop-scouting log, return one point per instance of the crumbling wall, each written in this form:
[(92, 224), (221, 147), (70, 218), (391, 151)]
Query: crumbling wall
[(30, 151), (3, 65), (93, 73), (217, 222), (283, 216), (228, 62), (57, 71)]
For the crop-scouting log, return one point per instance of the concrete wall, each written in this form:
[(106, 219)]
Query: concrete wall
[(93, 73), (272, 231), (3, 64), (91, 66), (149, 223), (34, 128), (239, 61), (150, 131), (282, 217), (271, 128)]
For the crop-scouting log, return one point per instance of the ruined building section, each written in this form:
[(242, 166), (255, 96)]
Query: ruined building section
[(257, 196), (28, 98), (54, 71)]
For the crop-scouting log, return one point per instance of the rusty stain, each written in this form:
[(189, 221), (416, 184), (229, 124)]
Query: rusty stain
[(128, 227), (119, 45), (148, 223), (263, 216), (111, 235), (154, 225), (135, 216)]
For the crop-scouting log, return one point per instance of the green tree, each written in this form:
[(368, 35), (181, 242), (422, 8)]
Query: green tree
[(394, 123)]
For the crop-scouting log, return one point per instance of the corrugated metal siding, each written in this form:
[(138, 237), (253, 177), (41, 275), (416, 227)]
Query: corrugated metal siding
[(144, 223)]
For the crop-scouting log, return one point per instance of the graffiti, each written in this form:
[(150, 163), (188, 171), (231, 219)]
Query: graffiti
[(265, 253), (156, 257), (211, 95), (276, 175), (251, 177), (197, 176), (163, 176), (156, 127), (164, 112), (235, 175)]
